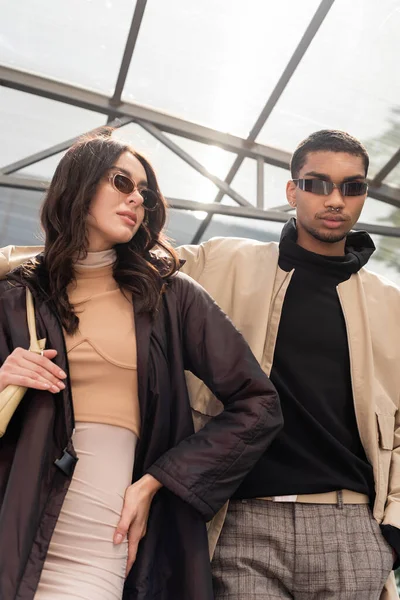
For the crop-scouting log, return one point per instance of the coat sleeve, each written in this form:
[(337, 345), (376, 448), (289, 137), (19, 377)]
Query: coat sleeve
[(206, 468), (195, 258), (5, 349)]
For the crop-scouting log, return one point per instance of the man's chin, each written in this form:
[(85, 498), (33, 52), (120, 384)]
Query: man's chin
[(329, 237)]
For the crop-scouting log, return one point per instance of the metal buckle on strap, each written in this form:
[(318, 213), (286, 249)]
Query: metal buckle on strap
[(284, 498)]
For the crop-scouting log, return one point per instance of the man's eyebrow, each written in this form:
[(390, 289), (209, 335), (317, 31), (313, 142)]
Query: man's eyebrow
[(316, 174), (128, 174), (326, 177), (354, 178)]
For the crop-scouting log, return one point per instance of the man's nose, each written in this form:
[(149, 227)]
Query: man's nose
[(335, 199)]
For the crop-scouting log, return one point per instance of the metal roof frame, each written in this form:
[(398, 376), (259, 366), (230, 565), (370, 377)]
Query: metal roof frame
[(158, 124), (280, 87), (244, 212)]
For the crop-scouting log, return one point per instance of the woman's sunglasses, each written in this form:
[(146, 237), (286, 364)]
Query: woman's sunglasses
[(325, 188), (125, 185)]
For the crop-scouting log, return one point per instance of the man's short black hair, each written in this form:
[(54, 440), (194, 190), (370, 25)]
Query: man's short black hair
[(327, 140)]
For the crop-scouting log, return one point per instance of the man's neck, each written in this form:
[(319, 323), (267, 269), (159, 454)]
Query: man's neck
[(309, 243)]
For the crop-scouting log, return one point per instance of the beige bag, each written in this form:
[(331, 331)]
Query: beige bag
[(12, 395)]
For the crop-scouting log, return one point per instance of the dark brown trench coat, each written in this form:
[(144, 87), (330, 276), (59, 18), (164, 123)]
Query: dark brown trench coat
[(199, 471)]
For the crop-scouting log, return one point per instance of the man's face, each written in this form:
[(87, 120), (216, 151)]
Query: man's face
[(328, 219)]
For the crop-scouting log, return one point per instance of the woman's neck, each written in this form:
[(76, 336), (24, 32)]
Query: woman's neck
[(95, 260)]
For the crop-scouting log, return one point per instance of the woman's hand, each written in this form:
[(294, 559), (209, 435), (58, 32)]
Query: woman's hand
[(32, 371), (135, 513)]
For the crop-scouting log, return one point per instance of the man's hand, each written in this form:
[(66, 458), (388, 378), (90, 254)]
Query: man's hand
[(135, 514)]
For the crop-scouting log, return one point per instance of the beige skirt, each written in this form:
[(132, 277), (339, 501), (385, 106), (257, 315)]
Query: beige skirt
[(82, 562)]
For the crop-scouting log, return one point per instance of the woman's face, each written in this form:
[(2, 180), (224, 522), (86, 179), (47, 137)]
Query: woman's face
[(115, 217)]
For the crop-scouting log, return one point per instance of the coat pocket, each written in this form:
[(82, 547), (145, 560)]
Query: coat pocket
[(385, 431)]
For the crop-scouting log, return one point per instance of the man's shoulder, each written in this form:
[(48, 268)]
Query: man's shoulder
[(379, 282), (381, 292)]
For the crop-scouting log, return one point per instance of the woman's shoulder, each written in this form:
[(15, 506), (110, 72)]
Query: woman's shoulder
[(29, 274), (186, 289)]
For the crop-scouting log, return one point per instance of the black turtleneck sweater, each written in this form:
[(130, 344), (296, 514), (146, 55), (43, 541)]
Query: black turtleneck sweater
[(319, 448)]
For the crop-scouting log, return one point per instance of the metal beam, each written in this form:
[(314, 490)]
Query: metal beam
[(38, 156), (260, 183), (129, 49), (283, 207), (386, 169), (280, 87), (24, 183), (244, 212), (161, 137), (68, 94), (384, 193)]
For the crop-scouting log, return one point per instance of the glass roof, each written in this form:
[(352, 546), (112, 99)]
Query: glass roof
[(79, 41), (29, 124), (205, 73), (215, 62), (347, 80)]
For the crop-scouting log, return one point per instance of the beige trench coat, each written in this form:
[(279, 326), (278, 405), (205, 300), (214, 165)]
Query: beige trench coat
[(244, 278)]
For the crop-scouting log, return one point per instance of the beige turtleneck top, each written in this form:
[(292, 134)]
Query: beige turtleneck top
[(102, 353)]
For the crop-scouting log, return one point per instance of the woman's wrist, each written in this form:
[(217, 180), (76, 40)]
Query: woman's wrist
[(150, 484)]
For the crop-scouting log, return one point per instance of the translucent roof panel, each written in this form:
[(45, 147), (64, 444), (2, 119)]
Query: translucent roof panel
[(29, 124), (44, 169), (376, 212), (346, 80), (216, 160), (245, 183), (222, 225), (176, 178), (386, 259), (214, 62), (19, 217), (79, 41), (394, 177), (182, 225)]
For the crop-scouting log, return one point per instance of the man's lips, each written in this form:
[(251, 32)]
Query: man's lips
[(330, 217), (332, 221)]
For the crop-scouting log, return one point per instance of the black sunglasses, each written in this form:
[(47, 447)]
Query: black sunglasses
[(125, 185), (325, 188)]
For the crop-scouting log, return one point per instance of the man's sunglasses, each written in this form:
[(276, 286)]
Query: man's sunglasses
[(325, 188), (125, 185)]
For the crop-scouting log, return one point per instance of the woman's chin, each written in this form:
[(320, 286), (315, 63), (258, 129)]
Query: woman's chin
[(124, 237)]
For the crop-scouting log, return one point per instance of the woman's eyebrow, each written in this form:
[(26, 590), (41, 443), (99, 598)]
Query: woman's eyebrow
[(128, 174)]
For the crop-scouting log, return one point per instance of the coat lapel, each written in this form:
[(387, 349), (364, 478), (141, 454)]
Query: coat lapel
[(355, 311), (143, 326)]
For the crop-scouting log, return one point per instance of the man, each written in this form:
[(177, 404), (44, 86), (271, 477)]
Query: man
[(318, 516)]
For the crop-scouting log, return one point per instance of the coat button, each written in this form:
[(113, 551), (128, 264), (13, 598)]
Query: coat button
[(66, 463)]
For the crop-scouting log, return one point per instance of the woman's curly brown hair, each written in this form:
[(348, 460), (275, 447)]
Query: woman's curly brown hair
[(63, 219)]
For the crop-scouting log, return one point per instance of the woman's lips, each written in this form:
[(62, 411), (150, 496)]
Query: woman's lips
[(129, 219)]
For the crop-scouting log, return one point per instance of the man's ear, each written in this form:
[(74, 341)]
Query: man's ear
[(291, 193)]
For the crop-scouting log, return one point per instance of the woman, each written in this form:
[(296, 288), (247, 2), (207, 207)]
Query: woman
[(104, 436)]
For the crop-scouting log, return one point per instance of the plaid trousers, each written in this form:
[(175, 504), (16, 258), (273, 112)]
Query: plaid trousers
[(278, 550)]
